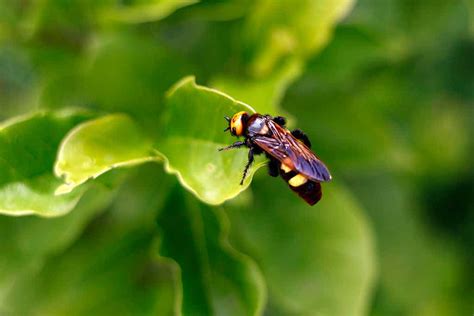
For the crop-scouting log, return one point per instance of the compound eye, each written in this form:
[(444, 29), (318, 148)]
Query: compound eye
[(233, 131)]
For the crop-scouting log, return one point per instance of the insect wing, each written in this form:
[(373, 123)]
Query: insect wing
[(293, 153)]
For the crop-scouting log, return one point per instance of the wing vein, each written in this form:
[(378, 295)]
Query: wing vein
[(282, 145)]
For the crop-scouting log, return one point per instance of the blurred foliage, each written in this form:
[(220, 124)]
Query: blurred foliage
[(28, 149), (99, 110)]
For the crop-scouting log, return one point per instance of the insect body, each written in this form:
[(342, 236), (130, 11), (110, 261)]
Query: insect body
[(288, 152)]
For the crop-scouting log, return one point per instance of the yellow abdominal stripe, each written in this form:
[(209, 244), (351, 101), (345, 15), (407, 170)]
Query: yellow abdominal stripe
[(297, 180), (285, 168)]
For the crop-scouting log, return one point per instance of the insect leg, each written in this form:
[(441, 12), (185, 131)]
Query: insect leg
[(249, 142), (298, 134), (273, 167), (280, 120), (234, 145), (248, 165)]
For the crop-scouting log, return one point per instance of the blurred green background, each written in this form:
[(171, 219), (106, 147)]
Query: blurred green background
[(385, 91)]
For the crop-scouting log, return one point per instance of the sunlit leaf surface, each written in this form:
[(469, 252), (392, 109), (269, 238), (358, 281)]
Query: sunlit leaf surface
[(192, 133), (28, 148), (98, 146)]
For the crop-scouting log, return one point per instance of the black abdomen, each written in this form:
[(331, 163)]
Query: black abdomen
[(307, 189)]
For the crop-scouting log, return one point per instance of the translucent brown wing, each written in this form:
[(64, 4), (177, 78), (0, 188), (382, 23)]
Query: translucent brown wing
[(293, 153)]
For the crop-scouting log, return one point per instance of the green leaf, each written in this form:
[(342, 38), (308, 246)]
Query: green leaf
[(142, 196), (143, 10), (137, 88), (111, 269), (277, 29), (28, 147), (100, 275), (316, 260), (216, 279), (99, 145), (192, 132), (264, 94), (28, 241)]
